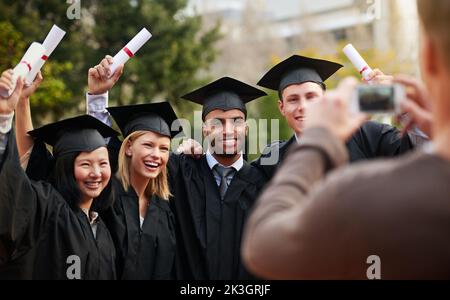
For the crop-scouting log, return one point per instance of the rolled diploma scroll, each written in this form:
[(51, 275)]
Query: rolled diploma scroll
[(52, 40), (29, 60), (130, 49), (357, 60)]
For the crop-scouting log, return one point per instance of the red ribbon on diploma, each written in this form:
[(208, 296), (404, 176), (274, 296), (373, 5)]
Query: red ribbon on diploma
[(363, 70), (44, 57), (128, 52), (28, 65)]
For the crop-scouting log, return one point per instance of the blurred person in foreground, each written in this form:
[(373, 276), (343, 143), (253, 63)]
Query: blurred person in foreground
[(309, 224)]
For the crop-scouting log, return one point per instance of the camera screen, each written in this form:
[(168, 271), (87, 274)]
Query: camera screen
[(376, 98)]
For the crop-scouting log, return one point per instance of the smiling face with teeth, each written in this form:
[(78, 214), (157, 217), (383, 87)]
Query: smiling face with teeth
[(149, 154), (296, 99), (92, 173), (225, 132)]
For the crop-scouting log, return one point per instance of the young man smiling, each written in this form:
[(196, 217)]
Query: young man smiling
[(300, 81), (213, 195)]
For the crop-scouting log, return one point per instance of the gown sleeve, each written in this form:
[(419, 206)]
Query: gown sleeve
[(392, 143), (375, 140), (25, 206), (268, 169), (173, 167), (40, 163)]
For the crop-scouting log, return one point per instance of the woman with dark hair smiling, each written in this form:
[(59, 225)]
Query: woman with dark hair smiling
[(56, 221)]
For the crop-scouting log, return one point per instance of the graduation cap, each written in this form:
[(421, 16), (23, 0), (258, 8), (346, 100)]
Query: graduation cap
[(225, 94), (79, 134), (156, 117), (297, 70)]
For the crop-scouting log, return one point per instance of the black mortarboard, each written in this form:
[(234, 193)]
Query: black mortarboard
[(156, 117), (79, 134), (225, 94), (297, 70)]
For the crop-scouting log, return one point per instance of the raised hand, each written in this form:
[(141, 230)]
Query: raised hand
[(378, 77), (417, 104), (8, 105), (332, 112), (30, 90), (191, 148), (98, 77)]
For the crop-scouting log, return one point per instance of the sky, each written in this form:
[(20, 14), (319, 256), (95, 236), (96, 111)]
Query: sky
[(279, 8)]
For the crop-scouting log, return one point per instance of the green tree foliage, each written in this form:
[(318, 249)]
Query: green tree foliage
[(164, 69), (11, 45)]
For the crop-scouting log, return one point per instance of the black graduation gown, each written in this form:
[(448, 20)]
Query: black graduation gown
[(373, 140), (145, 254), (270, 152), (41, 162), (18, 269), (209, 231), (35, 217), (153, 257)]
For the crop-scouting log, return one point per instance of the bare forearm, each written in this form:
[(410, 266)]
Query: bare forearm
[(24, 124)]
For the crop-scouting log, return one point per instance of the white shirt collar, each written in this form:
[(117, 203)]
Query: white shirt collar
[(212, 162), (92, 216)]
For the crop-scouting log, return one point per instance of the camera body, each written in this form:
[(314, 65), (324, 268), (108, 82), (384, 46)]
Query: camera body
[(378, 99)]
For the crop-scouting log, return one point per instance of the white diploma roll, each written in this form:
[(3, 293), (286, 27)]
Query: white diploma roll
[(52, 40), (26, 64), (130, 49), (357, 60)]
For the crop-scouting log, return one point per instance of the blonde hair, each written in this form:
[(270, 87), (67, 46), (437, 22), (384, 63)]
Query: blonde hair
[(158, 186), (435, 17)]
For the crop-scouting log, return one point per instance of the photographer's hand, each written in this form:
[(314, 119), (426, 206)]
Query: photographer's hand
[(332, 112), (416, 104)]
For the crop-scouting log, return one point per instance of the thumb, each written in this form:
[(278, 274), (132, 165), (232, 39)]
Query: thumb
[(118, 72), (19, 87), (412, 108), (39, 78), (37, 82), (419, 115), (92, 73)]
